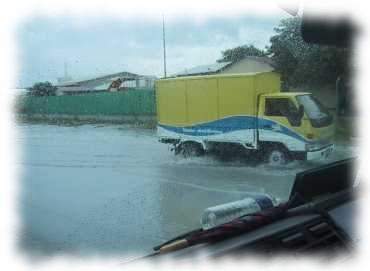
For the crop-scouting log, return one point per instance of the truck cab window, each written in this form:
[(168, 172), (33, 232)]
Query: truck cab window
[(279, 107)]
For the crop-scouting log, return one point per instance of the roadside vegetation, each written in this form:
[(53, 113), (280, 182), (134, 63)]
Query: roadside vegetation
[(300, 63), (43, 89)]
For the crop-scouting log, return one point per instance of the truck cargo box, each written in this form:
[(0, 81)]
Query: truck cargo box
[(212, 106)]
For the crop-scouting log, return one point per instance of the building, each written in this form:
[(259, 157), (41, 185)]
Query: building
[(102, 83), (248, 64)]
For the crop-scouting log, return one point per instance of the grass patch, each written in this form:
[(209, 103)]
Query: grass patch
[(64, 120)]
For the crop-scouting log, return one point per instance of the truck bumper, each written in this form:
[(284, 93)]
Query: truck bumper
[(320, 153)]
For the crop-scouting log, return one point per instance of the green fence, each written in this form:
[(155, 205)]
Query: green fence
[(129, 103)]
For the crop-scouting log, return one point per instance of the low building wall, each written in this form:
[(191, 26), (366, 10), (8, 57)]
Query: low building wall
[(123, 106)]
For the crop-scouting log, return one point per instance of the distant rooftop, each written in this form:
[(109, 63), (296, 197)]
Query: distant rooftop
[(210, 68), (218, 66), (98, 79), (102, 82), (262, 59)]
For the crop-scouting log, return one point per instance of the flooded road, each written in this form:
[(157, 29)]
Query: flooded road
[(113, 189)]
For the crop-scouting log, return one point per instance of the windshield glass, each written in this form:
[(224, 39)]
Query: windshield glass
[(122, 152), (312, 107)]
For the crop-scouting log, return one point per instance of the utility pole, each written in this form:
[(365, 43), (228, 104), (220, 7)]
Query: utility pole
[(164, 48), (65, 70)]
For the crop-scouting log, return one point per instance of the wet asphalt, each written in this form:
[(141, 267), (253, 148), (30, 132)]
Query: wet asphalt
[(115, 190)]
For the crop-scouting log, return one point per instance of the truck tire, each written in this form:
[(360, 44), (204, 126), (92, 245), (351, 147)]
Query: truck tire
[(276, 156), (190, 149)]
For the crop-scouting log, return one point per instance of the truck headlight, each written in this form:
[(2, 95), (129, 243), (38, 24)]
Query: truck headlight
[(315, 145), (312, 146)]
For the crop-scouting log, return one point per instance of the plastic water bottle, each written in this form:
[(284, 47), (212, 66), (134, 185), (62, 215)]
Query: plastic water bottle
[(224, 213)]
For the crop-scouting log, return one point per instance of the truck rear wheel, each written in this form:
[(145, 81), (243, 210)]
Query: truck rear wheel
[(188, 149)]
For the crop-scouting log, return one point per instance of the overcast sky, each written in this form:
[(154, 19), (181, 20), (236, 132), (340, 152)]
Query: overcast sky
[(94, 46)]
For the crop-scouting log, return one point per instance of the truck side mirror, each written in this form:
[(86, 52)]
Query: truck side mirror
[(295, 117), (300, 112)]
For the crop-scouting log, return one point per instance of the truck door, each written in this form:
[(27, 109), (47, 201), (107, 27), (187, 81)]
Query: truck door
[(278, 120)]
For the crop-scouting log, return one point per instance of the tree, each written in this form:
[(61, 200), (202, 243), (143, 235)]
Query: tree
[(43, 89), (301, 63), (240, 52)]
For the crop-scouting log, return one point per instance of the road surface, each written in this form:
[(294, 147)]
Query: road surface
[(115, 190)]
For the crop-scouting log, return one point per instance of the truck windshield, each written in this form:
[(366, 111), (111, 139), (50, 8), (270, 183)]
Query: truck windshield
[(313, 107)]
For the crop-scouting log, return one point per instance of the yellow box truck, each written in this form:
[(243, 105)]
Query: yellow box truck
[(197, 113)]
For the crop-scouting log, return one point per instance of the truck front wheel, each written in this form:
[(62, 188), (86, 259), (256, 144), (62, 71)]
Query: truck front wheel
[(276, 156)]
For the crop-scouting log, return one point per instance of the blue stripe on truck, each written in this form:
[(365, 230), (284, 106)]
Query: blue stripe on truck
[(220, 126), (230, 124), (282, 129)]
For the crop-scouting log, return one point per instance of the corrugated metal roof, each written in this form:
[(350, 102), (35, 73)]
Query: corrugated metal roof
[(261, 59), (210, 68), (215, 67), (95, 80)]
